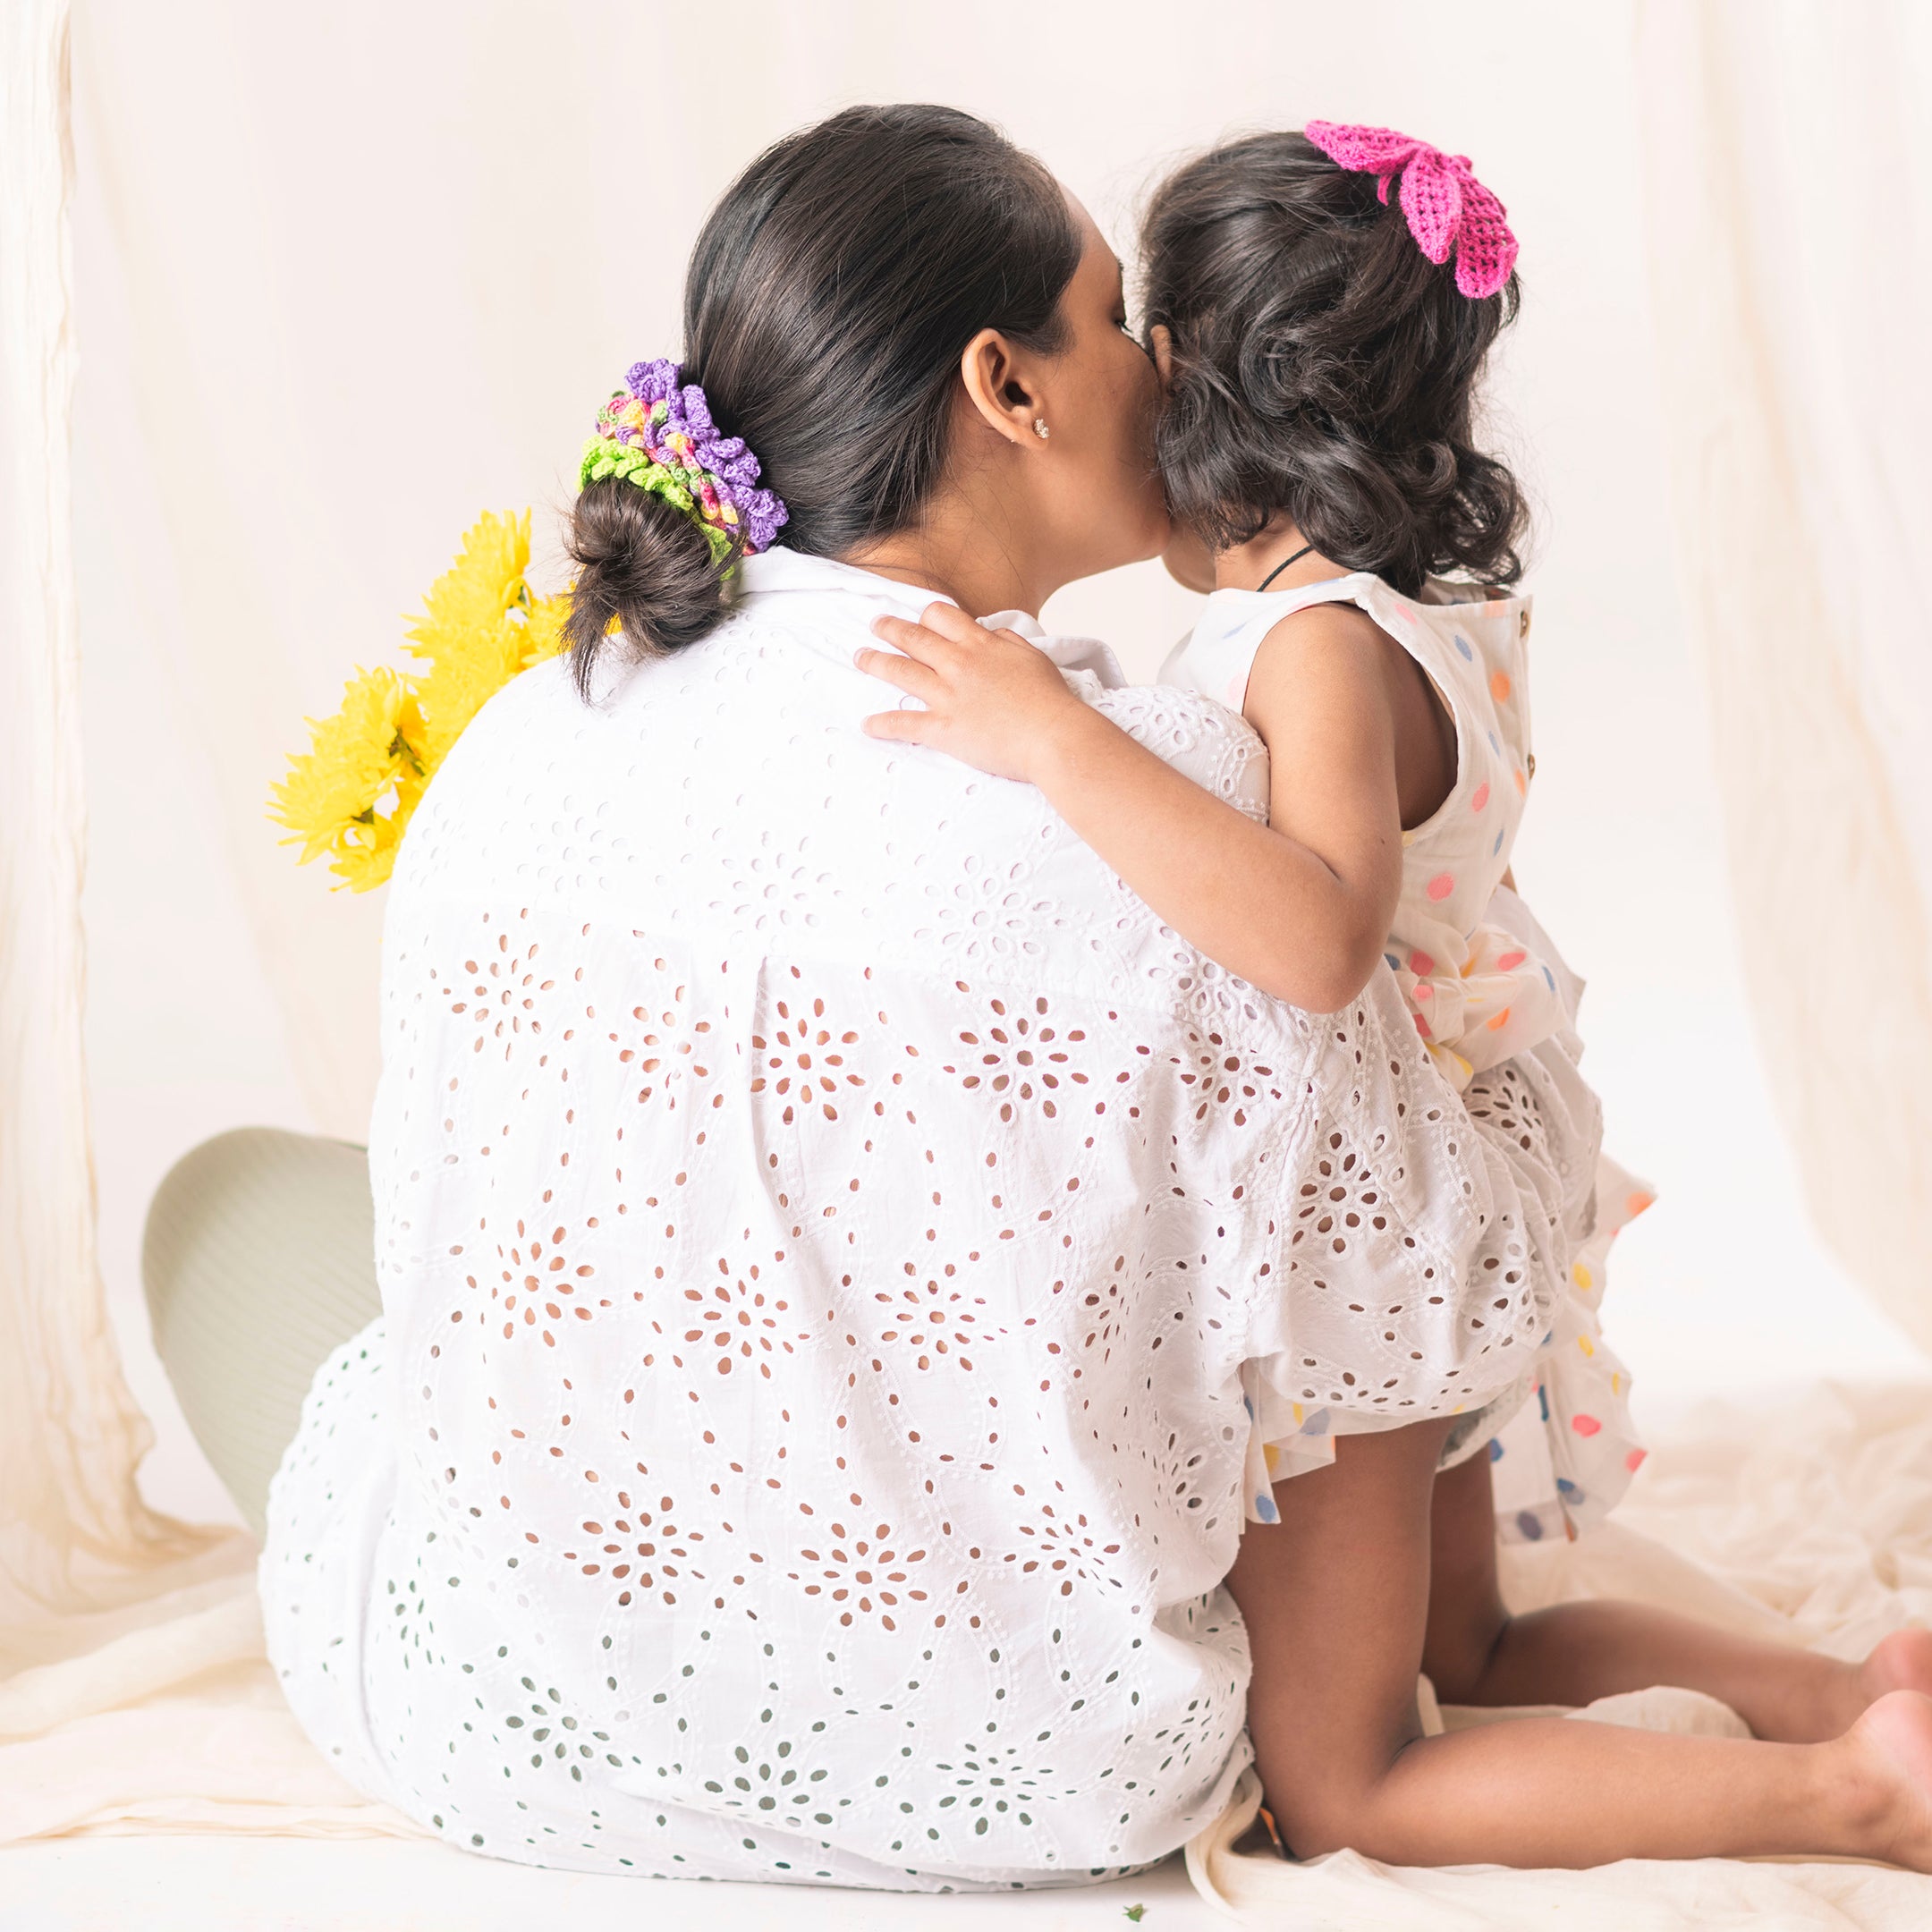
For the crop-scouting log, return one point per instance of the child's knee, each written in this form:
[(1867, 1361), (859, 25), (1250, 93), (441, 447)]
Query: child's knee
[(1322, 1811), (1457, 1651)]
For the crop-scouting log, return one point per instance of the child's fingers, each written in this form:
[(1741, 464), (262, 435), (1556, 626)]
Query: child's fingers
[(919, 642), (903, 727), (908, 674), (952, 623)]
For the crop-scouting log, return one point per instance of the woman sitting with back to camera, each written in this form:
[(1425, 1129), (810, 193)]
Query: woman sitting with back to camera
[(841, 1253)]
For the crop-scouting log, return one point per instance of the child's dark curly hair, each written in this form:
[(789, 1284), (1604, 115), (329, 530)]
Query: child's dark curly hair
[(1324, 370)]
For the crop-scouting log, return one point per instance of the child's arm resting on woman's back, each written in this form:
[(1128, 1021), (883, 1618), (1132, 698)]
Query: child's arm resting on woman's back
[(1299, 907)]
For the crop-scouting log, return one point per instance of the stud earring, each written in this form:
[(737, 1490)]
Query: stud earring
[(1039, 428)]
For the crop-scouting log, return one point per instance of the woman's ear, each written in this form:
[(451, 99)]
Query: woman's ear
[(1004, 391), (1160, 339)]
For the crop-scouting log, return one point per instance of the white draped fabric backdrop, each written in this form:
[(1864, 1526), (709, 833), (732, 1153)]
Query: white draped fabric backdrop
[(340, 278)]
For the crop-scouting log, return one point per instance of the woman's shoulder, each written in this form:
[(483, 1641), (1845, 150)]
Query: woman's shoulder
[(727, 792), (1209, 742)]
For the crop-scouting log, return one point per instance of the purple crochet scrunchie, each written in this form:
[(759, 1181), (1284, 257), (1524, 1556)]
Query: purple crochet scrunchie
[(658, 433)]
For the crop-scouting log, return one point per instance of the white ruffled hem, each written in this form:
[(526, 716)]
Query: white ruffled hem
[(1560, 1438)]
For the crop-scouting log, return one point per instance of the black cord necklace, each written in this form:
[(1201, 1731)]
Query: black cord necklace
[(1305, 550)]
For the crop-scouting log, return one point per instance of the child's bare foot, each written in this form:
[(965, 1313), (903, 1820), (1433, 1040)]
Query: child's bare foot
[(1901, 1662), (1892, 1745), (1839, 1693)]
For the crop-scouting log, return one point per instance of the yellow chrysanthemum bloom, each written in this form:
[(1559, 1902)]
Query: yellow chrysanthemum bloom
[(359, 760), (543, 629), (474, 594), (460, 681), (351, 794)]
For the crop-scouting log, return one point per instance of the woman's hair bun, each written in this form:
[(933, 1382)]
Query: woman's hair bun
[(828, 300), (642, 563)]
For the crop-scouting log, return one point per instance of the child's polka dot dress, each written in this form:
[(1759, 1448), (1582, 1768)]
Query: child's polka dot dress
[(1494, 1004), (1479, 994)]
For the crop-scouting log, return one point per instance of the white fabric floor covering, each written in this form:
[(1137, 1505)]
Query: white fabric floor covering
[(1809, 1513)]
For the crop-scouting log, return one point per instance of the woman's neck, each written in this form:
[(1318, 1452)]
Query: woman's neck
[(978, 583), (978, 590), (967, 545)]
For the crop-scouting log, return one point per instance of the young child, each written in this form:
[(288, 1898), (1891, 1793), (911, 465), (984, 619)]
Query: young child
[(1320, 363), (1319, 355)]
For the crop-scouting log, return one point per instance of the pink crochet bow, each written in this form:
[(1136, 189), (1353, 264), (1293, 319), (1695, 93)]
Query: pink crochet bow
[(1447, 206)]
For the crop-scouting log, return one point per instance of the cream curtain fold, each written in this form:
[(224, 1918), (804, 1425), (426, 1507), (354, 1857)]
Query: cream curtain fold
[(103, 1604), (74, 1534), (1789, 194)]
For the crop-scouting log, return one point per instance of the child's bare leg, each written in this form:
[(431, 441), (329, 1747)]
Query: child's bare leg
[(1335, 1597), (1476, 1653)]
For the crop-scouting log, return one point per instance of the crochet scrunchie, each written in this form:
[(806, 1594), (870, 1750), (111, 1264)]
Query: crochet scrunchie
[(658, 433)]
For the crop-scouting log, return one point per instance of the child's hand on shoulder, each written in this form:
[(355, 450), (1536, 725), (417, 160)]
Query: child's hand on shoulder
[(991, 700)]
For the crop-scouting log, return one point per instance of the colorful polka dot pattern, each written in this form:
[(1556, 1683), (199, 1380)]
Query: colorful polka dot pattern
[(1478, 995), (1561, 1462), (1481, 997)]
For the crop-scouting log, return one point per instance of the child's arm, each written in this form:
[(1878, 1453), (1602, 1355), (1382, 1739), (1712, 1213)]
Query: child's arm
[(1299, 907)]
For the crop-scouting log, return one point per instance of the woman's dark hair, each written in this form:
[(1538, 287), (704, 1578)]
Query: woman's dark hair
[(826, 306), (1324, 370)]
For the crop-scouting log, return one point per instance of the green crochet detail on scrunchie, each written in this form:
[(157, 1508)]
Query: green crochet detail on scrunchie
[(603, 458)]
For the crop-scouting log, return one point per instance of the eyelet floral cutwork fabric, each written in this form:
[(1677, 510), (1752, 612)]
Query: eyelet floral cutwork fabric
[(826, 1225)]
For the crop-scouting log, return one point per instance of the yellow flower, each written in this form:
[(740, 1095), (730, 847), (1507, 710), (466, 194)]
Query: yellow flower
[(474, 595), (352, 793), (357, 760), (479, 627), (543, 629), (460, 682)]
